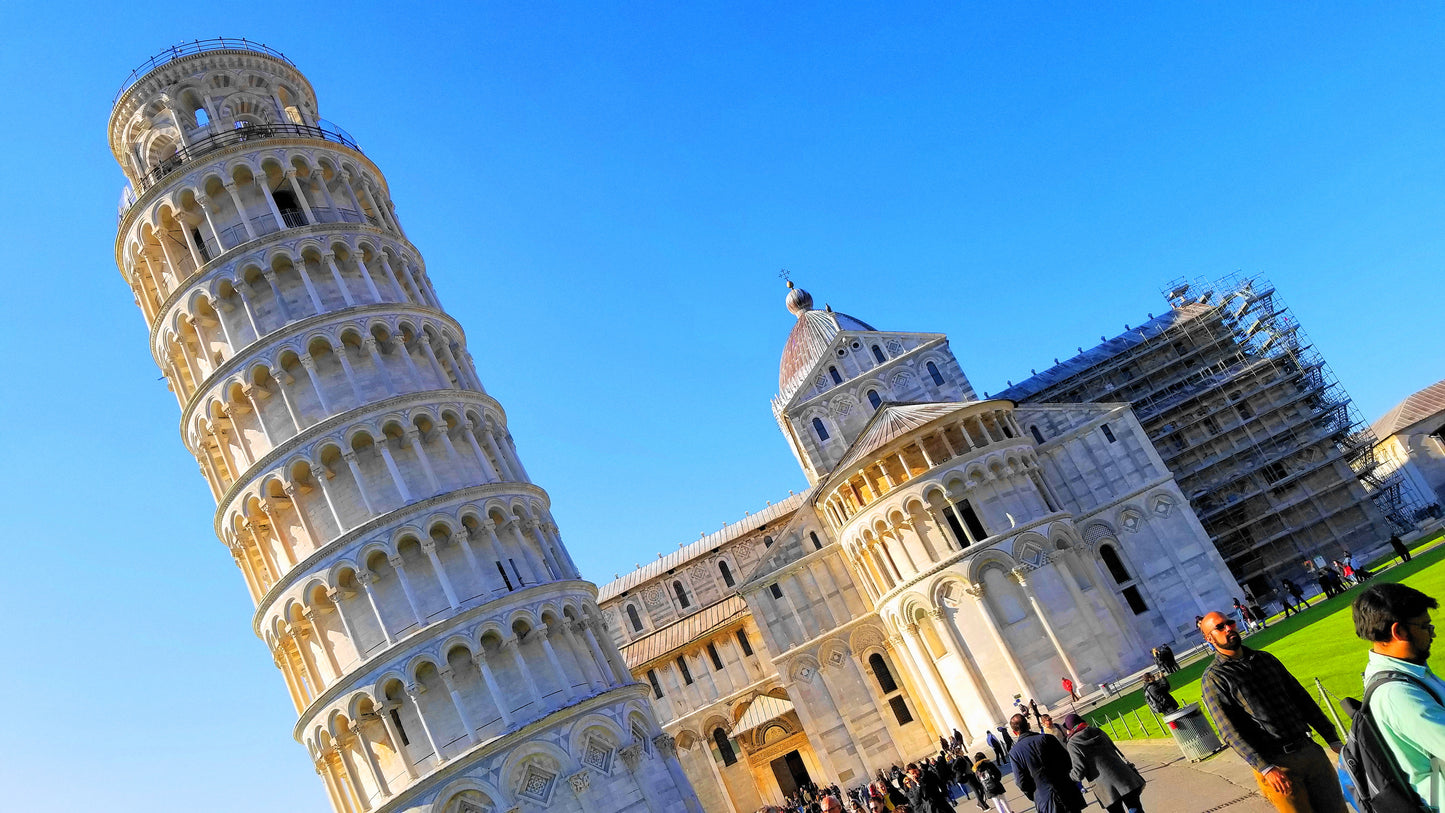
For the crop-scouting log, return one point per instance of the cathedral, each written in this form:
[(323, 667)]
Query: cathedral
[(952, 556)]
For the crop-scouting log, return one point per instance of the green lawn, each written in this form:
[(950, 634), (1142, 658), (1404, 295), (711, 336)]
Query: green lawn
[(1319, 643)]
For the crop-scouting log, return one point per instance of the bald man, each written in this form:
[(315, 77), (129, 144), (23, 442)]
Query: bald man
[(1265, 715)]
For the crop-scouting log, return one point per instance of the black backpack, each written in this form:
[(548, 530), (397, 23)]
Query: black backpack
[(1373, 780)]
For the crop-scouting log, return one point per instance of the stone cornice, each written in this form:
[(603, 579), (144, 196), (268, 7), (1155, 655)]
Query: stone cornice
[(319, 430), (358, 675), (292, 329), (260, 245), (304, 568)]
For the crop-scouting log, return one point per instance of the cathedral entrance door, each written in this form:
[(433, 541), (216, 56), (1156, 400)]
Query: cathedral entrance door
[(790, 772)]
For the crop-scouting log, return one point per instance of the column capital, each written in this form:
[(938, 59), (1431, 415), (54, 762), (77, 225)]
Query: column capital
[(1020, 574), (975, 589), (308, 361), (487, 525), (415, 690), (631, 755), (318, 471), (580, 781), (913, 630), (666, 745), (365, 577), (349, 456), (448, 677), (460, 536), (429, 547), (395, 561)]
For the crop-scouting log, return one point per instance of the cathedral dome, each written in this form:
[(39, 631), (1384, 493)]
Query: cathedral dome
[(810, 337)]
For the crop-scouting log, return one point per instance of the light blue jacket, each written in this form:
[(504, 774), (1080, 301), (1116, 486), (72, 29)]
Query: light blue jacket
[(1412, 723)]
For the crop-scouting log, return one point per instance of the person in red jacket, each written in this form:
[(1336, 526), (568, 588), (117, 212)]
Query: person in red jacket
[(1069, 687)]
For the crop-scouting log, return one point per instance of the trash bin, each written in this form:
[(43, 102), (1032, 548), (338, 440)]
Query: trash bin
[(1192, 732)]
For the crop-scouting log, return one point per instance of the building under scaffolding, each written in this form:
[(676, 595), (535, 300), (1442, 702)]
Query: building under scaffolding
[(1275, 459)]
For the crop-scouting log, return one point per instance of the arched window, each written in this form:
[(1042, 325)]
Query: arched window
[(633, 619), (656, 687), (1116, 567), (1108, 433), (767, 541), (819, 429), (886, 684), (817, 543), (875, 399), (724, 747), (833, 371), (202, 117), (727, 573), (878, 354), (682, 599), (1038, 436), (935, 374), (686, 673)]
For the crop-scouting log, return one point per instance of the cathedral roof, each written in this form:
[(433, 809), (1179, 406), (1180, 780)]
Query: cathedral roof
[(1100, 353), (893, 421), (707, 544), (1412, 410), (809, 340), (690, 629)]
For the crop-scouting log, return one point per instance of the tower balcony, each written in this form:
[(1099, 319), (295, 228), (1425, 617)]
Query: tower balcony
[(186, 49), (241, 134)]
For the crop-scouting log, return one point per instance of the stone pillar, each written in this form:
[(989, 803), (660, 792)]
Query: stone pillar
[(1020, 576), (1025, 688)]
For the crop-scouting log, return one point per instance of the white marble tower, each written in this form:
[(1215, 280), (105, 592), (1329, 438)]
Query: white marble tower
[(442, 652)]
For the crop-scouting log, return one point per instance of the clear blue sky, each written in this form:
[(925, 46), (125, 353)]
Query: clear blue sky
[(604, 196)]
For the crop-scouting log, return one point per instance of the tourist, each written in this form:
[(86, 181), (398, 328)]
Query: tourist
[(1041, 769), (1094, 758), (1170, 665), (957, 741), (963, 774), (1298, 593), (1409, 713), (1008, 742), (1157, 696), (1244, 615), (1047, 726), (1264, 714), (925, 793), (1069, 687), (1256, 611), (1034, 709), (998, 750), (990, 778), (1400, 549)]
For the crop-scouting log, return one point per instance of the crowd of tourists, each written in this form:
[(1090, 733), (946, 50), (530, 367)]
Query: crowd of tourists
[(1262, 712)]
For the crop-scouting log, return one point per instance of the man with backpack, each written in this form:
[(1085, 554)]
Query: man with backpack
[(1403, 698)]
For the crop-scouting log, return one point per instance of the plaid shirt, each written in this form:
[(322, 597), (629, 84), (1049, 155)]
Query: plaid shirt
[(1259, 707)]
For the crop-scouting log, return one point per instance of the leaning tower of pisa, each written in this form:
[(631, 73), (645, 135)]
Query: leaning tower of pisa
[(441, 649)]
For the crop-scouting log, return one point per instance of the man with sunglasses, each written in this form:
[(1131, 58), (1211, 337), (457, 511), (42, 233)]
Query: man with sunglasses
[(1396, 620), (1265, 715)]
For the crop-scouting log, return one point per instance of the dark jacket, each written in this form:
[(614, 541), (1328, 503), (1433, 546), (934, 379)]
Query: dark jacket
[(990, 777), (1156, 694), (1041, 769), (1095, 758), (927, 794)]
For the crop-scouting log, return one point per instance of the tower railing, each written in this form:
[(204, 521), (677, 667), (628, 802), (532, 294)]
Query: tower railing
[(195, 47), (238, 135)]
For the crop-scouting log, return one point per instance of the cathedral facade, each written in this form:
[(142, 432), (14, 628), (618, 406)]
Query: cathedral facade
[(442, 651), (951, 556)]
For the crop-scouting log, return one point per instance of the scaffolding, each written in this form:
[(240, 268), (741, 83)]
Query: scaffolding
[(1264, 440)]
